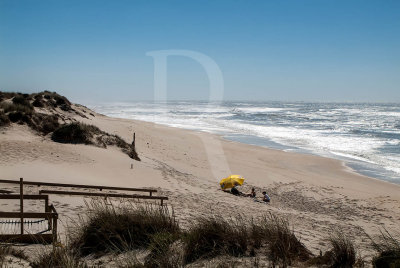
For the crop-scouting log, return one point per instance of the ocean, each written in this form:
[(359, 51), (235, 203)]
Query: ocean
[(364, 135)]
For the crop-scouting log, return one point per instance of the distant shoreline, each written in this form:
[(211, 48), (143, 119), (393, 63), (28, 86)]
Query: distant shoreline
[(358, 166)]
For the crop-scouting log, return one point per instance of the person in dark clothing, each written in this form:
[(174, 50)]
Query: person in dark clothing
[(234, 190), (252, 194)]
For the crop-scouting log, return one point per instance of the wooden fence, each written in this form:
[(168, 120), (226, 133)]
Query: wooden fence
[(50, 215)]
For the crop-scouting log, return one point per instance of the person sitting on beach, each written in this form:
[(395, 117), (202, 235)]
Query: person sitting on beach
[(252, 194), (266, 198), (234, 190)]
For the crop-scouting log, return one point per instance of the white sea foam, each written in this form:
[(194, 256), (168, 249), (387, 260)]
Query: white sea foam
[(365, 133)]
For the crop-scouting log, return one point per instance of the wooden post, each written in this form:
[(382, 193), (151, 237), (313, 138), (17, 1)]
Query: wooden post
[(21, 203), (46, 205), (54, 231), (134, 140)]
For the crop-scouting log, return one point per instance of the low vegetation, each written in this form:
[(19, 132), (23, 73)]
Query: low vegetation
[(76, 133), (126, 229), (388, 249), (343, 253), (6, 250), (58, 257), (4, 120), (283, 248), (38, 111), (214, 236), (79, 133), (110, 228), (122, 229), (19, 108)]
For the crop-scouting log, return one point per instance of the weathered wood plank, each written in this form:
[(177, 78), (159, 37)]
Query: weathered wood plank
[(26, 196), (102, 194), (27, 238), (31, 215), (99, 187)]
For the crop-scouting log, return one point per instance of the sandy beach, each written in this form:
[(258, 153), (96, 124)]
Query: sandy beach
[(318, 195)]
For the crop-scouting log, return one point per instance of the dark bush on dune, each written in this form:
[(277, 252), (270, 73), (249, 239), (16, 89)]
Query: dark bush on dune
[(22, 100), (4, 120), (44, 123), (110, 229), (38, 102), (74, 133), (15, 116), (79, 133)]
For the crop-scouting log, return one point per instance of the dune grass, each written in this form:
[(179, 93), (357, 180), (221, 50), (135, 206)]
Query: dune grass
[(213, 236), (58, 257), (282, 247), (343, 252), (7, 250), (110, 228), (116, 229), (388, 248)]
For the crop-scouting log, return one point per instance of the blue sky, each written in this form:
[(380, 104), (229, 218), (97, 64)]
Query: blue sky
[(266, 50)]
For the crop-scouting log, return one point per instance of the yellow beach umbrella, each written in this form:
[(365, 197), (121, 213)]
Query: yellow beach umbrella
[(230, 181)]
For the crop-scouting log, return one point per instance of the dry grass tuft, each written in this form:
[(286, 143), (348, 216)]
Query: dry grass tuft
[(58, 257), (388, 248), (283, 248), (343, 253), (109, 228), (214, 236), (6, 250)]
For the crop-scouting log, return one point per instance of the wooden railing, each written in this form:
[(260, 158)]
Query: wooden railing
[(97, 187), (50, 214), (161, 198)]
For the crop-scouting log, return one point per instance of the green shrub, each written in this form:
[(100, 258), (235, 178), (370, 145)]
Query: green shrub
[(15, 116), (44, 123), (4, 121), (88, 134), (73, 133), (22, 100), (38, 103)]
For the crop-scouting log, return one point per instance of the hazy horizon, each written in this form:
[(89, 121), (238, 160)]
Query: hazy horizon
[(311, 51)]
